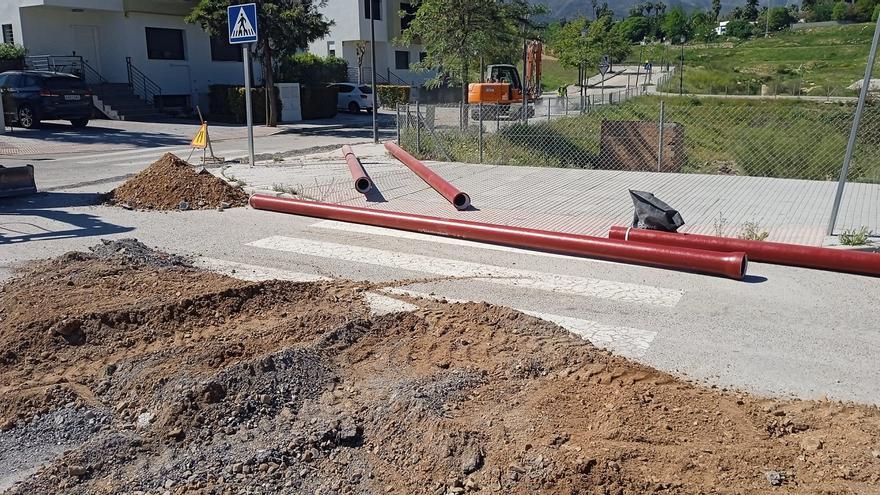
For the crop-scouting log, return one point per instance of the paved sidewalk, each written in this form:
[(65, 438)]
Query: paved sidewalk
[(577, 201)]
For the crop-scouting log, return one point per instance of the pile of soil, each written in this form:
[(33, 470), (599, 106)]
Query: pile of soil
[(173, 380), (171, 184)]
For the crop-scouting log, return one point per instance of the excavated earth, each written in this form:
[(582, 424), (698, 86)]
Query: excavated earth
[(127, 371), (171, 184)]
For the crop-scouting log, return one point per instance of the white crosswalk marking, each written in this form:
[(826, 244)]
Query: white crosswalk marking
[(526, 279), (624, 341)]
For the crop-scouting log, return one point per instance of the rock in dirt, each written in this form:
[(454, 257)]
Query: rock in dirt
[(173, 184), (132, 251)]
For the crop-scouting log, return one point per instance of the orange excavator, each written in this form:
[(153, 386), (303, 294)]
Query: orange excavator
[(501, 90)]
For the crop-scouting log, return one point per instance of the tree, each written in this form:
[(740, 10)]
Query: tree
[(751, 11), (285, 27), (634, 29), (675, 24), (780, 18), (876, 14), (572, 47), (839, 12), (456, 32), (716, 9), (702, 26), (739, 28)]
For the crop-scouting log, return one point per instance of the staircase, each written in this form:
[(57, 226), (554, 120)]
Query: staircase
[(134, 100), (119, 102)]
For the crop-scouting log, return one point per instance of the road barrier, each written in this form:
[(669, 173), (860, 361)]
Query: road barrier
[(732, 265)]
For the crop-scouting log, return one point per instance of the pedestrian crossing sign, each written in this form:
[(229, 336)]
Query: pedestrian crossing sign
[(242, 21)]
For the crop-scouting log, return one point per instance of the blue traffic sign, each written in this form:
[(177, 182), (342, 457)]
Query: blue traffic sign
[(242, 21)]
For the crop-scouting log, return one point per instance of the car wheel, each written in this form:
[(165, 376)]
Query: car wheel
[(353, 107), (79, 122), (27, 118)]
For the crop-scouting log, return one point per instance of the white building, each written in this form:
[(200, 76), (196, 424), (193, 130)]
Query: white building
[(352, 25), (721, 30), (143, 44)]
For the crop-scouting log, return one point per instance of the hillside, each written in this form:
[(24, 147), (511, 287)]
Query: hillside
[(568, 9)]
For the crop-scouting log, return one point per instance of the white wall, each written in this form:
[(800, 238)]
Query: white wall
[(122, 35), (9, 15)]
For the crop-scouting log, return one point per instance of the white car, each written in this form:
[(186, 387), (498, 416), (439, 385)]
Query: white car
[(353, 97)]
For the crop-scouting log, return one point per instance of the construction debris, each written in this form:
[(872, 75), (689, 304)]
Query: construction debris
[(130, 374), (173, 184)]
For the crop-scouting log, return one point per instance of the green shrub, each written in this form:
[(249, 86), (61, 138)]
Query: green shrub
[(318, 102), (876, 13), (227, 103), (839, 12), (739, 28), (392, 95), (311, 70), (11, 52)]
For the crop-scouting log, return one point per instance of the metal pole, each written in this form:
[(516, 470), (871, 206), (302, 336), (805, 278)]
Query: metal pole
[(681, 71), (660, 135), (525, 80), (397, 111), (247, 101), (480, 138), (857, 120), (418, 127), (373, 5), (549, 104)]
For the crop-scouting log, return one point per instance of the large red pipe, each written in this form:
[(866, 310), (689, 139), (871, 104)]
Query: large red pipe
[(731, 265), (769, 252), (460, 200), (362, 182)]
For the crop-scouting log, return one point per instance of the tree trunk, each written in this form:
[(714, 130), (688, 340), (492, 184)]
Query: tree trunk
[(272, 118), (464, 94)]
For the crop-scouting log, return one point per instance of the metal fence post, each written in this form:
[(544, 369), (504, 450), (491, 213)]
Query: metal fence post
[(660, 135), (397, 111), (480, 136), (549, 105), (497, 112), (854, 131), (418, 127)]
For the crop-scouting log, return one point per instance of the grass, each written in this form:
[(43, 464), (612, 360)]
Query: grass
[(819, 61), (768, 138), (751, 231), (858, 237)]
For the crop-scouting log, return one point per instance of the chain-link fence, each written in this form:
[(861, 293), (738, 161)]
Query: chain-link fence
[(764, 138)]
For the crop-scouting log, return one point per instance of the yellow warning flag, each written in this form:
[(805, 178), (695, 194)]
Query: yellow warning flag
[(201, 139)]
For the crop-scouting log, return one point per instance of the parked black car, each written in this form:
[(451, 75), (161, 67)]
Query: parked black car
[(30, 96)]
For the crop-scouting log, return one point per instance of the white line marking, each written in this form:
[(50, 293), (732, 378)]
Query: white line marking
[(526, 279), (370, 230), (254, 273), (383, 305), (121, 155), (623, 341)]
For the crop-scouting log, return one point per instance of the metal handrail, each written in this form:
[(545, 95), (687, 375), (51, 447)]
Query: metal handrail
[(70, 64), (142, 85)]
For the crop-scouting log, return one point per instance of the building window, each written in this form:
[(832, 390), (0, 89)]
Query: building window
[(222, 51), (165, 44), (7, 34), (401, 60), (409, 13), (367, 9), (331, 48), (423, 56)]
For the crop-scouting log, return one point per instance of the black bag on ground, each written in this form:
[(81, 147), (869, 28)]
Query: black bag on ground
[(652, 213)]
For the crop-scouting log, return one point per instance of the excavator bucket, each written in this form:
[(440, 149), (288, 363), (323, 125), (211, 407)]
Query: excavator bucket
[(17, 181)]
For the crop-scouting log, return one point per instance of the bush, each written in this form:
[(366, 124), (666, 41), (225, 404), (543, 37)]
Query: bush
[(227, 103), (839, 12), (318, 102), (311, 70), (11, 52), (876, 13), (392, 95), (739, 28)]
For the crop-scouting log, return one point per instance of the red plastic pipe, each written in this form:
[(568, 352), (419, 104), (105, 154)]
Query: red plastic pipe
[(768, 252), (362, 182), (731, 265), (460, 200)]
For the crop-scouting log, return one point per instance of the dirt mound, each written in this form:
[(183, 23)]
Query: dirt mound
[(176, 380), (171, 184)]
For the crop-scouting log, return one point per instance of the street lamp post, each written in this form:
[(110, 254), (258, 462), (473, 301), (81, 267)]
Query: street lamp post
[(639, 63), (374, 5), (681, 68)]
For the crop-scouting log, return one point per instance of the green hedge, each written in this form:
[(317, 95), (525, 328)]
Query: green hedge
[(318, 102), (227, 103), (391, 95), (312, 70), (11, 52)]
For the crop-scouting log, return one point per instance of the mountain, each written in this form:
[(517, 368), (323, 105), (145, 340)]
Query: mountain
[(569, 9)]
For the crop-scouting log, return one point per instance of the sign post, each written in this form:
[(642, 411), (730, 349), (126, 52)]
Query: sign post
[(242, 22), (604, 67)]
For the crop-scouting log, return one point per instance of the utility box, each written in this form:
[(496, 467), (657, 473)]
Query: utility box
[(634, 144), (291, 106)]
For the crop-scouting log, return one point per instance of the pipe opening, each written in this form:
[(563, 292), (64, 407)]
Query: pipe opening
[(363, 185), (461, 201), (745, 267)]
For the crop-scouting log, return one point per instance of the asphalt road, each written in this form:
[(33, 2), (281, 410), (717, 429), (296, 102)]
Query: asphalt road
[(784, 331)]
